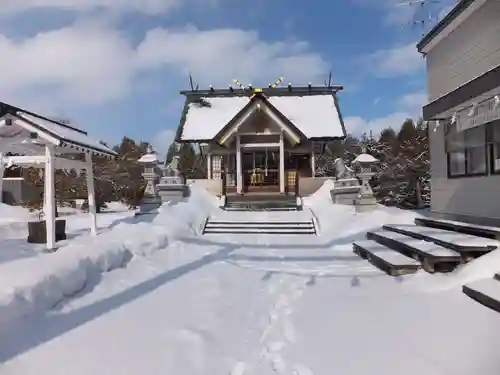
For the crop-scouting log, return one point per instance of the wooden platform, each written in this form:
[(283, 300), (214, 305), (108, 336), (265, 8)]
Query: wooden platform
[(486, 292), (460, 227), (467, 245), (432, 256), (385, 258)]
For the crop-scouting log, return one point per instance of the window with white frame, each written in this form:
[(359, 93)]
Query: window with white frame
[(216, 167)]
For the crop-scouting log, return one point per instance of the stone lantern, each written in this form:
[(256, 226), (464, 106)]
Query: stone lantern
[(172, 186), (151, 200), (364, 166)]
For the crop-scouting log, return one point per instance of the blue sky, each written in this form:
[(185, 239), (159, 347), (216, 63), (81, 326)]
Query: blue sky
[(115, 67)]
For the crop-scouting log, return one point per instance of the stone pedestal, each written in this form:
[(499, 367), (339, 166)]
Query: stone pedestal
[(366, 200), (172, 189), (37, 231), (345, 191)]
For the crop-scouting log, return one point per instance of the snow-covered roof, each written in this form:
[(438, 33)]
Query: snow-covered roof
[(203, 122), (316, 115), (149, 158), (16, 124), (66, 134), (365, 158)]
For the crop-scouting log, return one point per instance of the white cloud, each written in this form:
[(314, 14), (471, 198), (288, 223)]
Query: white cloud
[(413, 101), (84, 62), (218, 56), (162, 141), (92, 63), (393, 62), (144, 6), (408, 106)]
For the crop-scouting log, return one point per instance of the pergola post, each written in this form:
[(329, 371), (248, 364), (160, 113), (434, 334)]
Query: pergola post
[(2, 170), (50, 197), (91, 193)]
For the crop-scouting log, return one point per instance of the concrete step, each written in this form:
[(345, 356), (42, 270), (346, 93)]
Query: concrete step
[(432, 256), (460, 227), (386, 259), (465, 244), (486, 292), (262, 227)]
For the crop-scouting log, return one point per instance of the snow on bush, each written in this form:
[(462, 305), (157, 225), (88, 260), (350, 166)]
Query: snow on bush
[(39, 283)]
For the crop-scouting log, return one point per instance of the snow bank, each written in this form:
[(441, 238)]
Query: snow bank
[(38, 283), (484, 267), (338, 218), (12, 214), (320, 196), (187, 217)]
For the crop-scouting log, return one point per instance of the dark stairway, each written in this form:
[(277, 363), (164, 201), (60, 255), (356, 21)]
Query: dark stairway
[(268, 202)]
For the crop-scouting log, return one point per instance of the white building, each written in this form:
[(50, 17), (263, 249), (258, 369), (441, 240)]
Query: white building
[(463, 67)]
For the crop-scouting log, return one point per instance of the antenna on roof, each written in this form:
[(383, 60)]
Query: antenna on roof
[(424, 13)]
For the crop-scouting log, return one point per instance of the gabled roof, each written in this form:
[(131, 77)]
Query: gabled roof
[(441, 25), (290, 129), (59, 134), (314, 111)]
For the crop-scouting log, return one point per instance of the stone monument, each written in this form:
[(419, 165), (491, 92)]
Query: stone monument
[(364, 165), (172, 186), (346, 186), (151, 200)]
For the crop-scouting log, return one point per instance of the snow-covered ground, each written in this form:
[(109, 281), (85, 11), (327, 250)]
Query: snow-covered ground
[(239, 305)]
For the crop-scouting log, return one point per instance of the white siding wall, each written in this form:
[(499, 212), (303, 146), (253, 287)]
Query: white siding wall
[(475, 196), (469, 51)]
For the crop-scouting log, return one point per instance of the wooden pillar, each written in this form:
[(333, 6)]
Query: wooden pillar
[(209, 166), (2, 170), (282, 163), (50, 197), (91, 193), (313, 161), (239, 172)]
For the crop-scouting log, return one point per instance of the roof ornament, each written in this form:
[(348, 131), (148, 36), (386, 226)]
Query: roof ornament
[(258, 89), (193, 88), (329, 83)]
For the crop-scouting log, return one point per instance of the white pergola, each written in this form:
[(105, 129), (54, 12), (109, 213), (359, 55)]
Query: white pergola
[(41, 141)]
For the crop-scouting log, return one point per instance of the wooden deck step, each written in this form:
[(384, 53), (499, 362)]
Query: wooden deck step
[(388, 260), (460, 242), (428, 253), (460, 227), (486, 292)]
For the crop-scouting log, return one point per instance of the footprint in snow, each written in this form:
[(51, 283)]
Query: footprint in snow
[(278, 364), (238, 369), (289, 330), (311, 281), (275, 346), (301, 370), (267, 276)]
